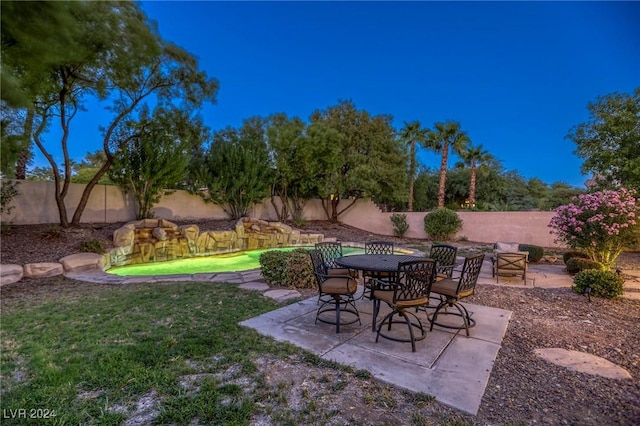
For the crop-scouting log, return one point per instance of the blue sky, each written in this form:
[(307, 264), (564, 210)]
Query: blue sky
[(516, 75)]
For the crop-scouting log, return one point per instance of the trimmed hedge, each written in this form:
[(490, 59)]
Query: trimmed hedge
[(602, 283), (535, 252), (298, 270), (578, 264), (442, 224), (290, 269), (272, 266)]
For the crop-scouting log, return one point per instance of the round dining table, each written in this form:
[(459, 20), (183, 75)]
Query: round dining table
[(374, 262)]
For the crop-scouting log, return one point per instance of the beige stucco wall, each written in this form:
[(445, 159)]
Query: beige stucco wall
[(36, 204), (108, 204)]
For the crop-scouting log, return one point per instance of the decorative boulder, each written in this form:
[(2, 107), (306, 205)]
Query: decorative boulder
[(44, 269), (81, 262), (10, 273)]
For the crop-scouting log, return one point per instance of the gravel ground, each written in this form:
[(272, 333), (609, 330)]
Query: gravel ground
[(522, 388)]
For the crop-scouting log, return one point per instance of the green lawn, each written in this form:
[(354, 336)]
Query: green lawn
[(85, 353)]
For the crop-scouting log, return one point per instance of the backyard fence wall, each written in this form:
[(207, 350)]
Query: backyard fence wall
[(108, 204)]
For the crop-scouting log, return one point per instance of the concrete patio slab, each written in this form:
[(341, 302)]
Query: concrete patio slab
[(448, 365)]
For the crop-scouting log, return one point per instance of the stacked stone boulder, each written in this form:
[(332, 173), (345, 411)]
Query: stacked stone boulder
[(156, 240), (153, 240)]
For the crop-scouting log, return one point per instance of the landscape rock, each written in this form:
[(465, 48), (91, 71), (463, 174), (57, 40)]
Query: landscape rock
[(10, 273), (41, 270), (81, 262)]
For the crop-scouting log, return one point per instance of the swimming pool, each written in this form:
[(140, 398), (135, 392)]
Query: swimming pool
[(229, 262)]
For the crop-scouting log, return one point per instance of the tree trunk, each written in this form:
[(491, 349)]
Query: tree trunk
[(84, 199), (412, 172), (443, 175), (334, 210), (472, 185)]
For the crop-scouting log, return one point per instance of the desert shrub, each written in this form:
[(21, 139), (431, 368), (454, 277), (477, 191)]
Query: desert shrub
[(52, 233), (92, 246), (8, 191), (442, 224), (400, 225), (298, 271), (573, 253), (272, 264), (299, 221), (535, 252), (577, 264), (602, 283)]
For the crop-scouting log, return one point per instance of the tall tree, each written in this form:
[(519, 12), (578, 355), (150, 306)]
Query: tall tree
[(115, 55), (443, 137), (155, 158), (609, 141), (372, 161), (473, 156), (411, 134), (290, 152), (234, 171)]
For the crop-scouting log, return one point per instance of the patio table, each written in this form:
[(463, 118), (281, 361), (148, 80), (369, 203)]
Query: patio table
[(375, 265)]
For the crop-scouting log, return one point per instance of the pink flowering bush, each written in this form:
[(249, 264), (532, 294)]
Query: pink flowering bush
[(601, 224)]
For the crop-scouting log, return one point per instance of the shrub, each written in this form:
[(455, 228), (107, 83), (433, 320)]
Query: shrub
[(8, 191), (92, 246), (602, 283), (601, 224), (52, 233), (442, 224), (298, 271), (573, 253), (272, 263), (577, 264), (535, 252), (287, 268), (400, 225)]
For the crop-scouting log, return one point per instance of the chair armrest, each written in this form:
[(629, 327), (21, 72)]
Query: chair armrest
[(441, 268), (381, 283)]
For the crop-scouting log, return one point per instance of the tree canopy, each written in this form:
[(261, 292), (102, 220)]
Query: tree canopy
[(112, 53), (155, 157), (610, 141), (371, 160)]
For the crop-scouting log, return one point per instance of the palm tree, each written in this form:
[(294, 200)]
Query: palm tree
[(474, 156), (410, 134), (445, 135)]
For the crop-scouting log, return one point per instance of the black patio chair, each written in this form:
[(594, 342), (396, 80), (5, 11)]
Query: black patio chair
[(451, 291), (445, 257), (335, 293), (331, 250), (376, 247), (410, 289)]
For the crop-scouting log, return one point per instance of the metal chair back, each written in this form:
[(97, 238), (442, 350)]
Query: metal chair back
[(414, 280), (469, 275), (330, 252), (445, 256), (378, 247), (319, 266)]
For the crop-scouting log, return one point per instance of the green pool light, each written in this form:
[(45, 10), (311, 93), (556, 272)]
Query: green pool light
[(229, 262)]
